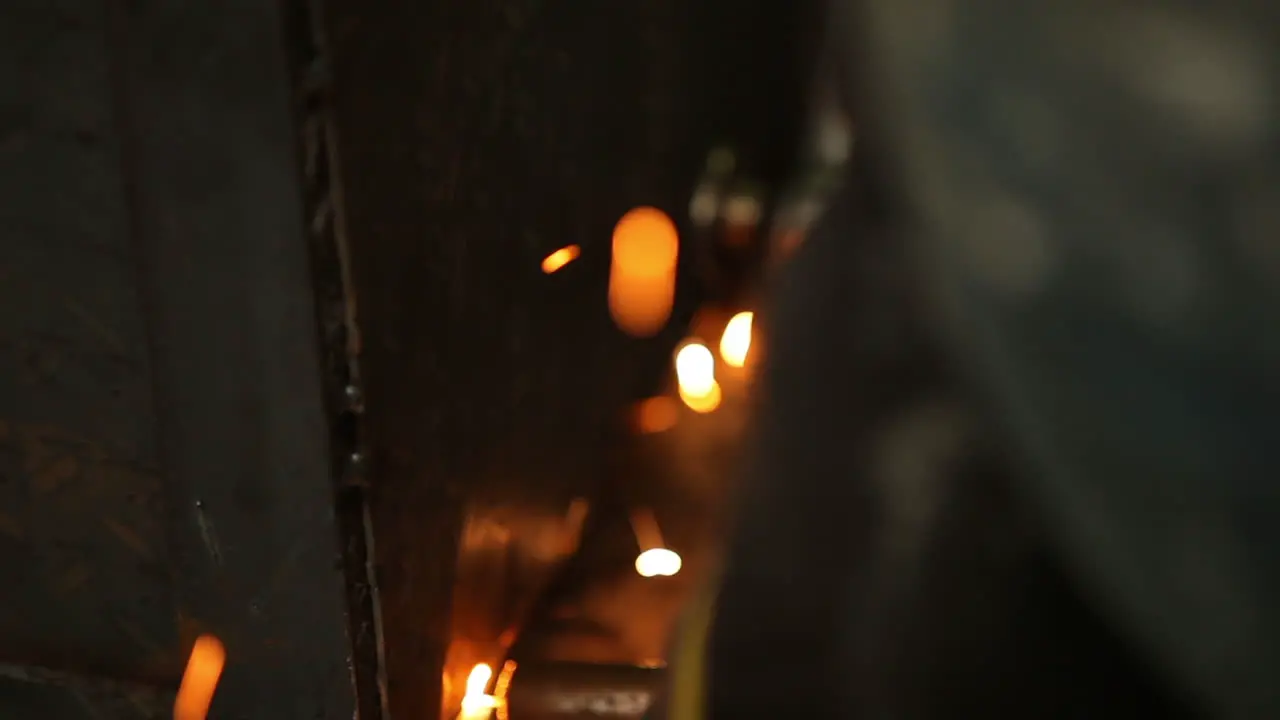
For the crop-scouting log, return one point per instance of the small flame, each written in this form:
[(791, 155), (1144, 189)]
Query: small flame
[(735, 343), (478, 704), (560, 258), (200, 680), (657, 562), (696, 377), (695, 369)]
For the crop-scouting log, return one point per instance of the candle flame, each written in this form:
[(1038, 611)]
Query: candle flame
[(200, 680), (695, 369), (696, 378), (735, 343), (477, 703)]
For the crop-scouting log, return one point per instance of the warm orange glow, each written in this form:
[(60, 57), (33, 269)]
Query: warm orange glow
[(642, 277), (735, 343), (696, 378), (501, 686), (705, 402), (658, 562), (657, 414), (695, 369), (478, 704), (204, 669), (560, 258)]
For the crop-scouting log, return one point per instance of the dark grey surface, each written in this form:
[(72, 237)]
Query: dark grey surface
[(82, 545), (163, 466), (1092, 185), (227, 294)]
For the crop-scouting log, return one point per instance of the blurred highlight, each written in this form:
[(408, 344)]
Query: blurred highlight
[(500, 688), (478, 704), (657, 414), (642, 278), (658, 562), (736, 341), (705, 402), (655, 559), (200, 680), (560, 258), (696, 378)]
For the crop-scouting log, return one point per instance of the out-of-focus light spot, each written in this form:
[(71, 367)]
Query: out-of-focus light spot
[(704, 206), (705, 402), (200, 680), (642, 278), (735, 343), (788, 242), (835, 139), (658, 562), (742, 210), (476, 703), (721, 162), (695, 369), (657, 414), (574, 518), (560, 258), (696, 378)]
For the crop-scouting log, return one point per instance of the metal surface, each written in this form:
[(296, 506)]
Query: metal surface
[(543, 691), (162, 437)]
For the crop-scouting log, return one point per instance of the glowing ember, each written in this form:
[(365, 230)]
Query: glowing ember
[(735, 343), (204, 669), (642, 278), (560, 258)]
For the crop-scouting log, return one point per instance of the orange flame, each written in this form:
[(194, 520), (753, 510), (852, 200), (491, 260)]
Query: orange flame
[(736, 341), (204, 669), (476, 703), (696, 378)]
